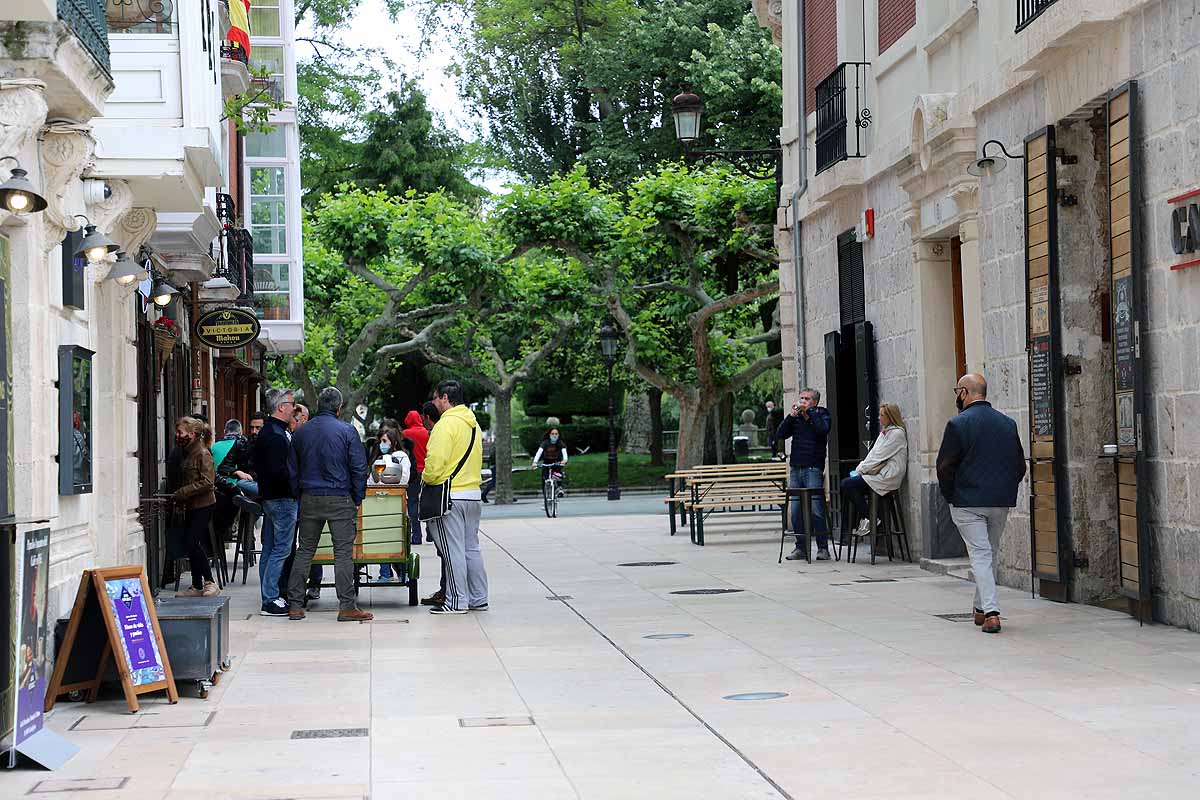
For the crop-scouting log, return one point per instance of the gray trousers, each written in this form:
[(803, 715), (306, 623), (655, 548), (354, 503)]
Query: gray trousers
[(456, 536), (342, 516), (981, 529)]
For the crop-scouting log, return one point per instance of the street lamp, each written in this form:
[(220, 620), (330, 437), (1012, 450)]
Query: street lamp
[(125, 272), (17, 194), (162, 293), (608, 348), (687, 109)]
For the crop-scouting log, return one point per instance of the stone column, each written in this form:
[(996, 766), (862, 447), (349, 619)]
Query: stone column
[(972, 292)]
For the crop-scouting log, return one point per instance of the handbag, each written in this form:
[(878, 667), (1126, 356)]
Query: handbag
[(435, 498)]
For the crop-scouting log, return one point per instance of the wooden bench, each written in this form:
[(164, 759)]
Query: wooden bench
[(736, 487), (679, 494)]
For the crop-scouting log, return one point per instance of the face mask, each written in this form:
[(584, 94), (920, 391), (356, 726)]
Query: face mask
[(553, 437), (385, 447), (958, 401), (182, 441)]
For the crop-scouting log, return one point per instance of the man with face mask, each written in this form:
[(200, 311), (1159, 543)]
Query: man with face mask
[(980, 465), (774, 420)]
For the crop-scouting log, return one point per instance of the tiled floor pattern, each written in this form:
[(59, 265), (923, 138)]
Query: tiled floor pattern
[(884, 698)]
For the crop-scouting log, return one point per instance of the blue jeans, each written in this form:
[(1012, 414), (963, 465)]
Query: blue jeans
[(856, 489), (249, 488), (809, 478), (278, 530)]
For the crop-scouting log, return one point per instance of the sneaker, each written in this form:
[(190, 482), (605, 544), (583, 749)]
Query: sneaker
[(823, 555), (313, 594), (428, 539), (480, 607), (435, 599), (274, 608), (447, 610), (191, 591), (355, 615), (864, 527), (296, 613), (210, 589), (795, 555), (991, 623)]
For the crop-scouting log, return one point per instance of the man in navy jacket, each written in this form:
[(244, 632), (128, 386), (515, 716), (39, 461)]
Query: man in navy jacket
[(808, 428), (980, 465)]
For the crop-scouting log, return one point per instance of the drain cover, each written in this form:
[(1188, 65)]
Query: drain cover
[(755, 696), (559, 597), (876, 580), (668, 636), (78, 785), (494, 722), (708, 591), (330, 733), (956, 617), (648, 564)]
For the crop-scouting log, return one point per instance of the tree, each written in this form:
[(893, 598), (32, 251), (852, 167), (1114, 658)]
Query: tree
[(389, 274), (679, 257)]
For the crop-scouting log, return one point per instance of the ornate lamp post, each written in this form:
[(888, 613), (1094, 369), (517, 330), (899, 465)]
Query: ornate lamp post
[(687, 109), (608, 348)]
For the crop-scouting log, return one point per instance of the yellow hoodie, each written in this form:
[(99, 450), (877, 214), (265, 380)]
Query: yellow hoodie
[(447, 443)]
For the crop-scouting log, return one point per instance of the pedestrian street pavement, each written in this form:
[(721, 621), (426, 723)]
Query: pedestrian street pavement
[(592, 679)]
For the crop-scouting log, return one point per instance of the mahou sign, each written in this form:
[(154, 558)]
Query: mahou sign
[(227, 328)]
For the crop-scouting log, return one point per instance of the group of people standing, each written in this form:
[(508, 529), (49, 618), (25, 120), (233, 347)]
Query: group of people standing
[(980, 465), (310, 474)]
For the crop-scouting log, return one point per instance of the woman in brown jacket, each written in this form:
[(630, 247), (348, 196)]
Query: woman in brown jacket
[(196, 495)]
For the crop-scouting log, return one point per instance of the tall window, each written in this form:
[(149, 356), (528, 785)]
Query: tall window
[(271, 58), (267, 169), (268, 210), (264, 18)]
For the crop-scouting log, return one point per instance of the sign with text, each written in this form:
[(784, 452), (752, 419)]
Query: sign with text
[(1041, 381), (113, 617), (228, 328)]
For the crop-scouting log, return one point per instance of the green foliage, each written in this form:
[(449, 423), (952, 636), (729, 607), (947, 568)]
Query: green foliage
[(553, 394), (591, 472), (251, 110), (580, 434), (484, 419)]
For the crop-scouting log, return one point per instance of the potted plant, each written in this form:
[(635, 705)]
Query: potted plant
[(166, 332)]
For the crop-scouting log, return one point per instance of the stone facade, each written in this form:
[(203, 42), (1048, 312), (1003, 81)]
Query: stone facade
[(937, 95)]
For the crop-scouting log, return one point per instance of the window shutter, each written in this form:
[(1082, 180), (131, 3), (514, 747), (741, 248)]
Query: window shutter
[(896, 18), (851, 288), (820, 46)]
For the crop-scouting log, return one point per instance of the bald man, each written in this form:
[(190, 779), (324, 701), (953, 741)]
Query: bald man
[(980, 465)]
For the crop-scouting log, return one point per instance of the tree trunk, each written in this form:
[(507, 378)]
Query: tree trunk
[(654, 395), (725, 424), (693, 429), (502, 428)]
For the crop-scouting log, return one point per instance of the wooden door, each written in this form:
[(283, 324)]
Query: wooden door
[(1049, 501), (1128, 315)]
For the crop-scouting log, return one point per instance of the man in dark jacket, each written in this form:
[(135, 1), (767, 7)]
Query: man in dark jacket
[(808, 428), (270, 455), (328, 470), (233, 450), (980, 465), (774, 420)]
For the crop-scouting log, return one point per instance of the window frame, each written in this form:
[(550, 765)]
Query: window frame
[(67, 356)]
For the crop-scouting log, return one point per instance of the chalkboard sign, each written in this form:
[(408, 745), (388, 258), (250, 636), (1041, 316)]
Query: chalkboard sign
[(1123, 341), (113, 614), (1041, 381)]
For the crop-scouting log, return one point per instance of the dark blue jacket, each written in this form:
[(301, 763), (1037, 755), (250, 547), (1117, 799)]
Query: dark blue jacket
[(981, 462), (808, 437), (270, 455), (328, 459)]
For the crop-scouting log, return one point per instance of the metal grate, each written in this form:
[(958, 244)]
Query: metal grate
[(708, 591), (331, 733), (1029, 10), (648, 564), (78, 785), (833, 113), (559, 597), (495, 722)]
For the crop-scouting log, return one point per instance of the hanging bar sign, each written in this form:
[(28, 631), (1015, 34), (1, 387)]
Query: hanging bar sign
[(227, 328)]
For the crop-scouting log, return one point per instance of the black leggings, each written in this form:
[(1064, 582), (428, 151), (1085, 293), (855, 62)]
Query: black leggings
[(197, 542)]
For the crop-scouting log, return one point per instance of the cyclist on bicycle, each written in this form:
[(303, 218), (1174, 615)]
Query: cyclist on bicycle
[(552, 451)]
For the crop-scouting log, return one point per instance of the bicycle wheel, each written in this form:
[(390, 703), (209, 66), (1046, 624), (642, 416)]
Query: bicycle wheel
[(554, 499), (547, 490)]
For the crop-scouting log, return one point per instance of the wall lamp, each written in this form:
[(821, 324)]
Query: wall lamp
[(986, 166), (17, 194), (126, 271), (95, 246), (162, 293)]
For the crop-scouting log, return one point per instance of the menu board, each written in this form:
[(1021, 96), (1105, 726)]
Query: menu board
[(1124, 346), (138, 645), (1042, 386), (30, 668)]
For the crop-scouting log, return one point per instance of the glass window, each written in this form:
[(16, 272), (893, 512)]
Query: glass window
[(140, 16), (272, 299), (267, 145), (264, 18), (268, 210), (74, 420)]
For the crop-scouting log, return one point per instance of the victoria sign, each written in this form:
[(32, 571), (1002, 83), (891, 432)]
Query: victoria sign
[(227, 328)]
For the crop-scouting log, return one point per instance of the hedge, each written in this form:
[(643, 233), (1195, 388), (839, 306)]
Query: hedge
[(578, 435)]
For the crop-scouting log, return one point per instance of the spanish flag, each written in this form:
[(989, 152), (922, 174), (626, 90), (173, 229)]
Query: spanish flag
[(239, 24)]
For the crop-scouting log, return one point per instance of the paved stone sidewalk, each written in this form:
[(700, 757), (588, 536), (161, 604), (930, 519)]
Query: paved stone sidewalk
[(884, 699)]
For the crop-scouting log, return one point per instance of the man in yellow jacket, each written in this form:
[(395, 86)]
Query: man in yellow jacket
[(457, 533)]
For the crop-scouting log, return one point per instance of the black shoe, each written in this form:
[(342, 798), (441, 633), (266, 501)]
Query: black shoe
[(447, 610), (483, 500), (480, 607), (274, 608)]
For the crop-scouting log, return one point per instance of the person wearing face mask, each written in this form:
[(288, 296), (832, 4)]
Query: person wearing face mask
[(980, 465), (389, 466), (552, 450), (195, 494)]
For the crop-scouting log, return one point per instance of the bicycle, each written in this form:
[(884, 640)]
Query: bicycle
[(550, 488)]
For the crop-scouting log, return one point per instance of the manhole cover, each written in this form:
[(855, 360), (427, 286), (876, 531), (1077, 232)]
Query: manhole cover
[(707, 591), (956, 617), (648, 564), (755, 696), (494, 722), (330, 733), (668, 636), (559, 597), (78, 785)]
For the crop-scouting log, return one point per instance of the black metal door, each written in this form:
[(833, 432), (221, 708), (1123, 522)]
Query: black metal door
[(867, 388), (833, 345)]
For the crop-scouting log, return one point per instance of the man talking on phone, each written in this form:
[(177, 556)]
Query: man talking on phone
[(808, 427)]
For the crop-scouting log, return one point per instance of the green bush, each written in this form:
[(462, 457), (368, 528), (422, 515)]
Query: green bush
[(582, 433), (568, 402), (484, 419)]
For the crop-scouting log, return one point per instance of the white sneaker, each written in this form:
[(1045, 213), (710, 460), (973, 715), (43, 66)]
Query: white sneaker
[(211, 589), (864, 527)]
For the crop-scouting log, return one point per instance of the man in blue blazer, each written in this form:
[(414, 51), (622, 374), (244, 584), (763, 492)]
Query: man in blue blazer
[(980, 465)]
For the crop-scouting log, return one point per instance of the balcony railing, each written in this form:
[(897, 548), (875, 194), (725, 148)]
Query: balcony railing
[(141, 16), (1029, 10), (240, 246), (87, 21), (841, 94)]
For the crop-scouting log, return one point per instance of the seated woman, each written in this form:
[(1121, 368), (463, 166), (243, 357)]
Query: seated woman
[(883, 469)]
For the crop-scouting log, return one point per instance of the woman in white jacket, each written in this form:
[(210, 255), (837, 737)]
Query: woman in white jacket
[(883, 469)]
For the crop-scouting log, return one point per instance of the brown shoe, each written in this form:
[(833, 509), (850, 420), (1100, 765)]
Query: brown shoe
[(296, 612), (355, 615), (435, 599), (992, 624), (978, 617)]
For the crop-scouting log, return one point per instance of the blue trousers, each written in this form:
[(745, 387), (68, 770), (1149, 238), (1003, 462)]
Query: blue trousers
[(278, 530), (809, 478)]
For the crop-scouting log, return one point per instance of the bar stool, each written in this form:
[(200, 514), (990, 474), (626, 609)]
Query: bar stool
[(893, 528), (248, 513)]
